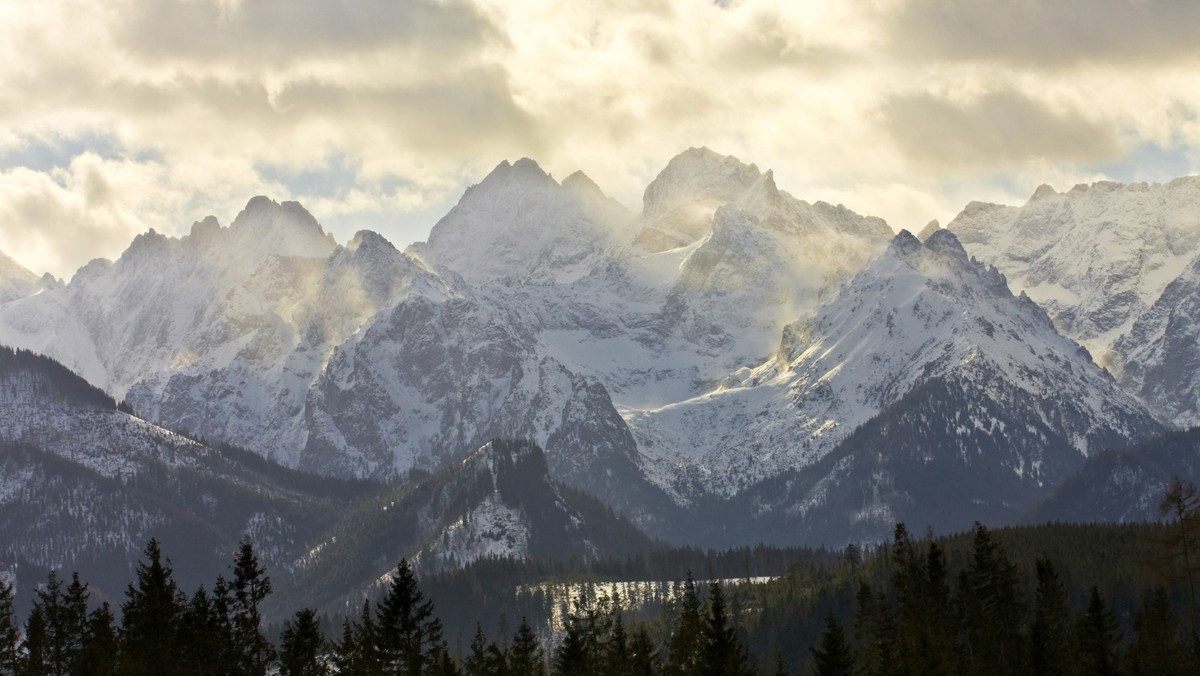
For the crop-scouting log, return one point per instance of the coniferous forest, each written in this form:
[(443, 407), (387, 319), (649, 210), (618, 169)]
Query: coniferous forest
[(1053, 599)]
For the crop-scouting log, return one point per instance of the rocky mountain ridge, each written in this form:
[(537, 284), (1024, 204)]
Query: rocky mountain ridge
[(711, 347)]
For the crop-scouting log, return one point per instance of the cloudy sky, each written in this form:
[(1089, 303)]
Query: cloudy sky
[(120, 116)]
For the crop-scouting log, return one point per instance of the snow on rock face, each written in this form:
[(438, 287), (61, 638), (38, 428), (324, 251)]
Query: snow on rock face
[(491, 529), (521, 223), (920, 311), (1159, 359), (678, 206), (17, 282), (659, 327), (430, 379), (1096, 257), (221, 332)]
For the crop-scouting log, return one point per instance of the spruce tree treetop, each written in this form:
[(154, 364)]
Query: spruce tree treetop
[(150, 617), (10, 634)]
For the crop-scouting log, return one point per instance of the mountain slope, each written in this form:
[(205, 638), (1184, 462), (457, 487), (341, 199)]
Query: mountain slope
[(221, 332), (84, 484), (521, 223), (1159, 358), (499, 501), (1125, 484), (1096, 257), (16, 281), (658, 326), (920, 313)]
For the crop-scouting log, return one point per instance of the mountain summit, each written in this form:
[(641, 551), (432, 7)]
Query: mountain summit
[(521, 223), (919, 314)]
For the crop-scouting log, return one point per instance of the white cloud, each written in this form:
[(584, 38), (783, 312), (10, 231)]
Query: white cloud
[(893, 107)]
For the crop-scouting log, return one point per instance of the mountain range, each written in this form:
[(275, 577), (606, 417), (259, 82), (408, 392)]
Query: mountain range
[(730, 365)]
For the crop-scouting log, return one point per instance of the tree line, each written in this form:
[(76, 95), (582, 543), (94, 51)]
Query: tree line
[(985, 623), (925, 616)]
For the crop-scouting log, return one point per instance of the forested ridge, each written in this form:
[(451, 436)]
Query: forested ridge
[(1052, 599)]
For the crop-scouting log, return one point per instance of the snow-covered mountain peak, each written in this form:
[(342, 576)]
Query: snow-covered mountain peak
[(206, 230), (520, 223), (944, 241), (1043, 191), (583, 184), (372, 241), (524, 172), (286, 229), (930, 228), (16, 281), (1097, 256), (904, 243), (678, 206), (10, 269), (762, 196)]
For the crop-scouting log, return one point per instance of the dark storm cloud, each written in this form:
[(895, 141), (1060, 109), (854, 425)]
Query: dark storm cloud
[(1049, 32), (1001, 128)]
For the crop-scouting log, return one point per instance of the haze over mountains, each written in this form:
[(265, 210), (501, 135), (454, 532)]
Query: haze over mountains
[(730, 360)]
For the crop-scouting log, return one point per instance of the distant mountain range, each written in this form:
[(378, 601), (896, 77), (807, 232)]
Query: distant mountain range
[(730, 365)]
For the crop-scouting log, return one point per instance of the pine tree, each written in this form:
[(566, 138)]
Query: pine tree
[(205, 636), (1050, 628), (74, 622), (496, 660), (832, 656), (302, 647), (616, 648), (643, 659), (252, 651), (875, 629), (367, 658), (722, 651), (150, 618), (526, 656), (1097, 638), (1182, 544), (64, 616), (579, 652), (992, 610), (476, 662), (409, 635), (34, 659), (686, 645), (98, 656), (925, 636), (50, 600), (1157, 647), (343, 653), (10, 634)]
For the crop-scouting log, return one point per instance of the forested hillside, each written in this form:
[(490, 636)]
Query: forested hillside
[(1053, 599)]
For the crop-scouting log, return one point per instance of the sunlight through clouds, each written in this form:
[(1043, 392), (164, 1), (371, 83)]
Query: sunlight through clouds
[(896, 108)]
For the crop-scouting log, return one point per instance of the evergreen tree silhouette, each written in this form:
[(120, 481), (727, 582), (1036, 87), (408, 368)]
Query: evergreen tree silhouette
[(10, 633), (1049, 630), (250, 586), (1157, 647), (723, 654), (99, 654), (643, 658), (1097, 638), (832, 656), (686, 646), (302, 647), (409, 635), (526, 656), (150, 618), (34, 658)]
